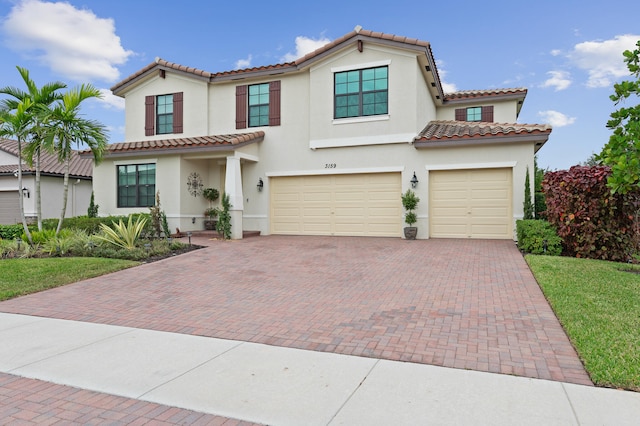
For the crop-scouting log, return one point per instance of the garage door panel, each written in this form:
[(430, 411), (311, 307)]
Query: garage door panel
[(474, 203), (9, 208), (355, 204)]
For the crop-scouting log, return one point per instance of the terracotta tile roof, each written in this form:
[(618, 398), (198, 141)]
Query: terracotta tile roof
[(357, 33), (79, 167), (193, 143), (442, 131), (468, 94)]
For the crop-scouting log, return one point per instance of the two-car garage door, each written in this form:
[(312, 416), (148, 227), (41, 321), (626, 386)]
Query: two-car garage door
[(475, 203), (363, 204)]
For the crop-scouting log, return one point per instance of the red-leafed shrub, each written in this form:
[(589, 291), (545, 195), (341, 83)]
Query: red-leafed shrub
[(591, 221)]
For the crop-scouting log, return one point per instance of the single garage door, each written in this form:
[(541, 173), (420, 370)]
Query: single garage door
[(9, 208), (471, 203), (355, 204)]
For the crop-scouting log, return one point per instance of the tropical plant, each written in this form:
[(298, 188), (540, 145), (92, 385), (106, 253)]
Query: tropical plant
[(224, 221), (622, 152), (41, 99), (212, 212), (410, 201), (17, 123), (65, 127), (122, 235)]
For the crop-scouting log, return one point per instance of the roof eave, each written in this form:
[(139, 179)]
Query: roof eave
[(179, 150), (539, 139)]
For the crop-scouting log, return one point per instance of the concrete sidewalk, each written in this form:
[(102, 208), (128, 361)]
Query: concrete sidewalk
[(284, 386)]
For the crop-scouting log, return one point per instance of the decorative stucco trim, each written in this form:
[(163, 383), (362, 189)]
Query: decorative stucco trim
[(350, 171), (496, 165), (362, 141)]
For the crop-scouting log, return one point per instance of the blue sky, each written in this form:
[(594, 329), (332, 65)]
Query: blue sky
[(567, 53)]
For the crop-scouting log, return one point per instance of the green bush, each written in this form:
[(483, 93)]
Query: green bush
[(124, 235), (532, 235), (10, 232)]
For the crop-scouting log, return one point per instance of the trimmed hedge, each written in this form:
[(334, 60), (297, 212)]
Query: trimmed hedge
[(10, 232), (538, 237), (592, 222)]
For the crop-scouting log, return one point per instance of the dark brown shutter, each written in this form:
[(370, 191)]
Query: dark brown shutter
[(241, 107), (487, 114), (461, 114), (274, 103), (177, 112), (149, 115)]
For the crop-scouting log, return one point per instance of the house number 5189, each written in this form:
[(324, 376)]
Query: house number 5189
[(330, 166)]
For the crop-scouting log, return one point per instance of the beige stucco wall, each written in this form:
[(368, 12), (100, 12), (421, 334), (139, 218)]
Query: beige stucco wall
[(195, 95), (503, 111)]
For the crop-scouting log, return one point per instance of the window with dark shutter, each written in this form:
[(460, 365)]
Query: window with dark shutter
[(274, 103), (487, 114), (149, 115), (241, 107), (461, 114), (177, 112)]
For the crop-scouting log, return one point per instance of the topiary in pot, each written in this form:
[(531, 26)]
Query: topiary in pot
[(410, 201)]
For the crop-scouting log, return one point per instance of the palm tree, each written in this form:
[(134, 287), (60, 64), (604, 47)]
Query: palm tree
[(17, 124), (65, 127), (41, 98)]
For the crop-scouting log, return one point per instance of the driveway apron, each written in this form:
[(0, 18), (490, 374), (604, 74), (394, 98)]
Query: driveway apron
[(469, 304)]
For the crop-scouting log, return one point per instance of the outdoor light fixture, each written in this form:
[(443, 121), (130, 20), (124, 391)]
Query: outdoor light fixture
[(414, 180), (260, 184), (193, 220), (26, 193), (189, 235)]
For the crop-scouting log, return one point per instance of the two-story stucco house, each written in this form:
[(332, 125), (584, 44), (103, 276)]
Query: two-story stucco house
[(324, 145)]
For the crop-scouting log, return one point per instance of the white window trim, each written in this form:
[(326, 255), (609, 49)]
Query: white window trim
[(138, 161)]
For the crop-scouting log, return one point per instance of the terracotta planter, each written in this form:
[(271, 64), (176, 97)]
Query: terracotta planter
[(410, 232)]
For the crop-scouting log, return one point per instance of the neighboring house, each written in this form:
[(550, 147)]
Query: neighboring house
[(324, 145), (51, 185)]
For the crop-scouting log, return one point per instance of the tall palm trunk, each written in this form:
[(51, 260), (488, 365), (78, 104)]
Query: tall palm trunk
[(20, 196), (65, 193), (38, 200)]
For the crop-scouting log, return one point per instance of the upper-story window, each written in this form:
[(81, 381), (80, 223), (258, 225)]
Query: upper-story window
[(361, 92), (136, 185), (258, 105), (479, 113), (163, 114)]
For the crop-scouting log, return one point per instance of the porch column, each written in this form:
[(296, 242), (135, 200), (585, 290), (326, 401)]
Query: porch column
[(233, 187)]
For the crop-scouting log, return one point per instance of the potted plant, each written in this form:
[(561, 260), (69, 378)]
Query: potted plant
[(211, 213), (410, 201), (210, 216)]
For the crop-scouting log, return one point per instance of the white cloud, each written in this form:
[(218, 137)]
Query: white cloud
[(74, 43), (603, 60), (304, 45), (556, 119), (556, 52), (110, 100), (244, 63), (559, 80), (442, 73)]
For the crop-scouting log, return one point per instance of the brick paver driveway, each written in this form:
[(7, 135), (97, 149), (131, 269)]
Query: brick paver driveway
[(469, 304)]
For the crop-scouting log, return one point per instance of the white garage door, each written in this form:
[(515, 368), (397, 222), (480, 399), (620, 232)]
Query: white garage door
[(355, 204), (471, 203), (9, 208)]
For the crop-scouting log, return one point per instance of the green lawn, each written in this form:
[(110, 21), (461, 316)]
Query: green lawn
[(598, 304), (24, 276)]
